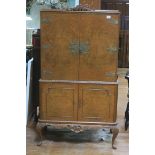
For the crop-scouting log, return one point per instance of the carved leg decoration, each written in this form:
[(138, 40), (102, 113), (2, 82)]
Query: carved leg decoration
[(115, 132)]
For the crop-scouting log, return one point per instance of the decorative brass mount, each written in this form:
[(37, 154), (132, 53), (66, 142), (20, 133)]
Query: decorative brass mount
[(77, 47), (111, 74), (112, 49), (112, 20), (83, 48)]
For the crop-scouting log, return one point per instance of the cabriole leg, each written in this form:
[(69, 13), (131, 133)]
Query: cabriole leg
[(115, 132)]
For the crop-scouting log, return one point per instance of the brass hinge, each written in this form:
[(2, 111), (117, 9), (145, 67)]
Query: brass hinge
[(112, 49), (45, 20), (110, 74), (46, 73), (112, 20), (45, 46)]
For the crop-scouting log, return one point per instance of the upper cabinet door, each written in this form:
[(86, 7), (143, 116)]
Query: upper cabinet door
[(59, 45), (99, 35)]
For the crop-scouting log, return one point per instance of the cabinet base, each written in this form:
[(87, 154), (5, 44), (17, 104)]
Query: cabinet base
[(77, 128)]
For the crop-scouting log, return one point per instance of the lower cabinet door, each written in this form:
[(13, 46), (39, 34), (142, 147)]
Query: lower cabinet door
[(58, 102), (78, 102), (97, 103)]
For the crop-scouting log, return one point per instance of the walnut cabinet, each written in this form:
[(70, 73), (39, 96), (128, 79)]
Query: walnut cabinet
[(79, 57)]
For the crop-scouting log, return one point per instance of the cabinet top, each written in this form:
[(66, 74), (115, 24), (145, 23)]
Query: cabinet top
[(94, 11)]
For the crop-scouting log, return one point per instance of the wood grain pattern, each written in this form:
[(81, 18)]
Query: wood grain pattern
[(100, 35), (78, 47), (58, 101), (57, 33), (64, 37), (97, 103), (78, 102)]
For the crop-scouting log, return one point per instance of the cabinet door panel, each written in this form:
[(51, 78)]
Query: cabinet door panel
[(99, 46), (59, 45), (58, 102), (97, 103)]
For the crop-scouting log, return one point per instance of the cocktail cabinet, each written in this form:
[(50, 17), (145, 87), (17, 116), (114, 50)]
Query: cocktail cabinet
[(79, 57)]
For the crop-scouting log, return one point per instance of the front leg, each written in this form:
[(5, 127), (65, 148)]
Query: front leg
[(115, 132), (40, 130)]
